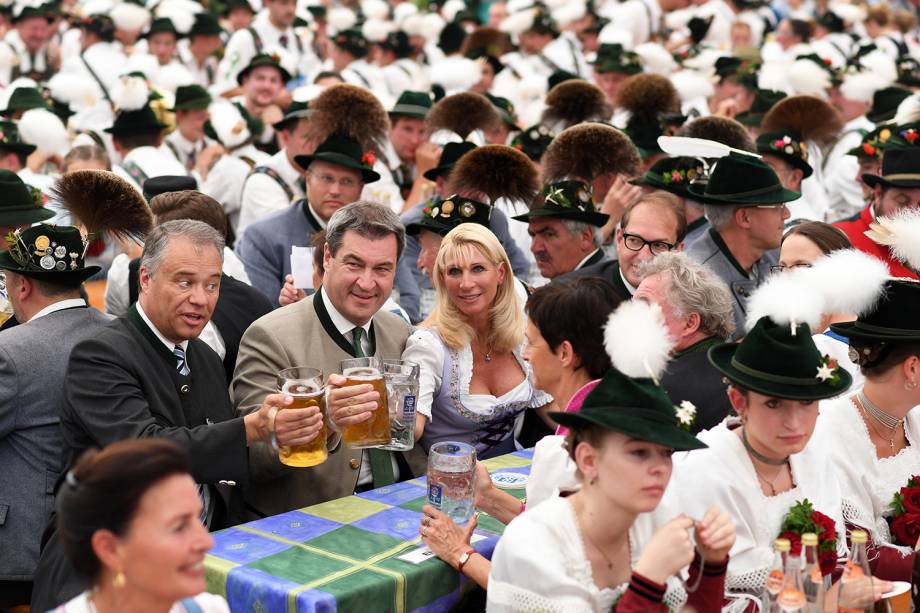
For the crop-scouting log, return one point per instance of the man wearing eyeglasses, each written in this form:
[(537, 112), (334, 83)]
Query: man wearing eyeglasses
[(653, 224), (336, 174), (745, 203)]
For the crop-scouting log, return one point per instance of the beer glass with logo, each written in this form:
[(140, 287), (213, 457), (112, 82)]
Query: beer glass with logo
[(402, 390), (375, 431), (306, 387), (452, 479)]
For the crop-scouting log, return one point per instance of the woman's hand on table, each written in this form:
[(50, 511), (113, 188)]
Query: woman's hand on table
[(446, 539), (715, 535), (669, 550), (349, 405)]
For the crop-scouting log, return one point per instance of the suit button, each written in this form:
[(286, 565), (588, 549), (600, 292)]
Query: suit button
[(185, 389), (354, 463), (230, 483)]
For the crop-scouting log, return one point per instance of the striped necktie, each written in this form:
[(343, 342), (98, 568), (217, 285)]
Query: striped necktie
[(181, 364)]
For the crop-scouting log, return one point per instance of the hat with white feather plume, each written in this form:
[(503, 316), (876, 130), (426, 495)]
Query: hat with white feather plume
[(628, 398)]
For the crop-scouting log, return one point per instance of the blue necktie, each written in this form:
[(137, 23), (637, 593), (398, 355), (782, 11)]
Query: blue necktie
[(181, 364)]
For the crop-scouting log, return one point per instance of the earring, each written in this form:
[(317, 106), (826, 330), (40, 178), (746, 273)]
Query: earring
[(119, 580), (593, 480), (910, 385)]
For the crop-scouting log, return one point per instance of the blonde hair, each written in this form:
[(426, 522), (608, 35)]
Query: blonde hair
[(506, 313)]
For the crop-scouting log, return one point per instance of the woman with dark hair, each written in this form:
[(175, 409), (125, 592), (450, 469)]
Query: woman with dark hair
[(872, 437), (129, 518), (567, 357)]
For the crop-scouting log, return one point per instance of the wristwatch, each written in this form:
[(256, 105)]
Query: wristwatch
[(464, 558)]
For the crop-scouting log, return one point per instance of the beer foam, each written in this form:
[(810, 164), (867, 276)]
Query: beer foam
[(362, 373), (301, 388)]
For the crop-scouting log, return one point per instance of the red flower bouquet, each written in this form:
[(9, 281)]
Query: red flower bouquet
[(803, 518), (905, 521)]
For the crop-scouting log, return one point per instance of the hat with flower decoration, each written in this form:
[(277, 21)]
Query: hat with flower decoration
[(342, 151), (825, 64), (786, 145), (900, 167), (612, 57), (442, 216), (21, 205), (873, 143), (352, 41), (764, 99), (264, 59), (673, 175), (533, 141), (741, 69), (885, 103), (629, 398), (905, 135), (566, 200), (10, 140), (740, 180)]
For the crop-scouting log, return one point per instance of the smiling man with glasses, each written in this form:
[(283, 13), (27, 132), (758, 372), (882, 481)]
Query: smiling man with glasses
[(745, 202)]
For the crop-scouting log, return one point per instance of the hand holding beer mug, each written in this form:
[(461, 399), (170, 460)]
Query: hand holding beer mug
[(305, 386), (359, 406)]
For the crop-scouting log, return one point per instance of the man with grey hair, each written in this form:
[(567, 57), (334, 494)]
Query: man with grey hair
[(745, 203), (148, 374), (697, 309), (341, 320), (565, 228)]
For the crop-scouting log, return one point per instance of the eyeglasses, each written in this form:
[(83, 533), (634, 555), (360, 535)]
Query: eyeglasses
[(634, 242), (330, 180), (780, 268)]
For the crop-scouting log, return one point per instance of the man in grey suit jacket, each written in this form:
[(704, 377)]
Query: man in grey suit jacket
[(33, 361)]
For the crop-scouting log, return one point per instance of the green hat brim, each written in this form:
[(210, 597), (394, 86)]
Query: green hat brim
[(595, 219), (720, 356), (881, 117), (409, 110), (427, 223), (368, 176), (301, 114), (21, 148), (796, 161), (23, 215), (192, 105), (432, 174), (855, 329), (285, 75), (623, 419), (780, 196), (678, 189), (66, 277)]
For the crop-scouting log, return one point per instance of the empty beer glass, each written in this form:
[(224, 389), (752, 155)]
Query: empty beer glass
[(452, 479), (306, 386), (402, 390), (375, 431)]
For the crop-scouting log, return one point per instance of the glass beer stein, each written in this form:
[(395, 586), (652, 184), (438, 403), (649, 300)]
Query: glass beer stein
[(306, 387), (374, 432)]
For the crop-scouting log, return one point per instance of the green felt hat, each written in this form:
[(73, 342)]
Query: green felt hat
[(450, 155), (644, 135), (903, 136), (352, 41), (205, 25), (743, 180), (566, 200), (48, 253), (637, 407), (44, 11), (20, 204), (442, 216), (412, 104), (787, 145), (773, 361), (142, 120), (263, 59), (885, 103), (744, 70), (297, 110), (673, 175), (533, 141), (191, 97), (345, 152), (10, 141), (873, 143), (612, 57), (764, 99), (505, 109), (900, 167), (160, 25), (398, 43), (25, 99), (894, 317)]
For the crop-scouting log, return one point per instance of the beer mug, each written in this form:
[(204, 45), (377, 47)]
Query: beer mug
[(375, 431), (305, 385), (452, 479), (402, 390)]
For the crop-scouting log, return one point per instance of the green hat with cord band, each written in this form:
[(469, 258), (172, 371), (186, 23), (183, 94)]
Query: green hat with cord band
[(787, 145), (10, 140), (674, 174), (25, 99), (637, 407), (894, 317), (442, 216), (743, 180), (566, 200), (773, 361), (412, 104), (20, 204), (48, 253), (342, 151), (191, 97)]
